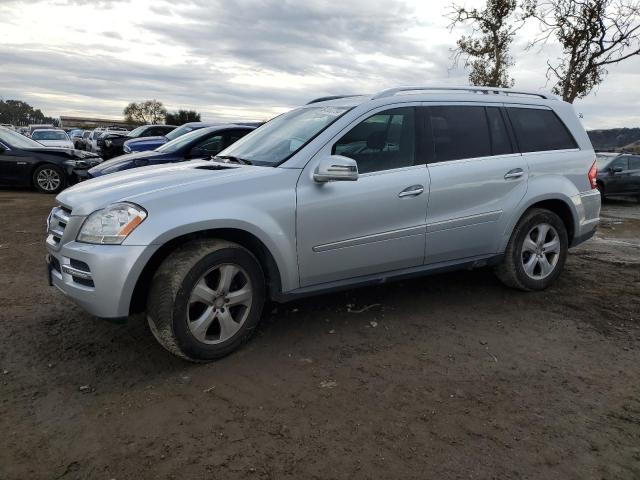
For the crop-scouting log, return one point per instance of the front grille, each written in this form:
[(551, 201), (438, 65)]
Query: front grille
[(56, 224)]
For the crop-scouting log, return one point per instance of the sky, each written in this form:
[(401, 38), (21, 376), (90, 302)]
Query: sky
[(251, 59)]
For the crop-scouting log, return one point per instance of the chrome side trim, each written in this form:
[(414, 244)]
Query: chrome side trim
[(464, 221), (378, 237)]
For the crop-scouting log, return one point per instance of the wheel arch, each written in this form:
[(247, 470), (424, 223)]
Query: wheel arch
[(244, 238), (560, 205)]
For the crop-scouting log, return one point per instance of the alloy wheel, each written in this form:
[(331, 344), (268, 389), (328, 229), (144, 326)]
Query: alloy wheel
[(540, 251), (48, 179), (219, 303)]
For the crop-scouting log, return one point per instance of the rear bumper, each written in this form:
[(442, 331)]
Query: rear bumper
[(588, 212)]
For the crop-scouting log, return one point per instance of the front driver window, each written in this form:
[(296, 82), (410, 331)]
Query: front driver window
[(383, 141)]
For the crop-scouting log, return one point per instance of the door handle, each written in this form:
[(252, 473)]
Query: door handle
[(412, 191), (515, 173)]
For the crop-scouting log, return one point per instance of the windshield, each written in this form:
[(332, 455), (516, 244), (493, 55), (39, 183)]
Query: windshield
[(283, 136), (49, 135), (178, 143), (173, 134), (16, 140), (136, 132)]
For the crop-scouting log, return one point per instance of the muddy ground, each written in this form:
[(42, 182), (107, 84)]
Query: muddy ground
[(445, 377)]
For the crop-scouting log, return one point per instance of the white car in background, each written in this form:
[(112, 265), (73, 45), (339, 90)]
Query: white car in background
[(52, 138)]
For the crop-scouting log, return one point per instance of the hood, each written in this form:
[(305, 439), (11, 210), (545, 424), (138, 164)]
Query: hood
[(140, 184), (122, 162), (56, 143), (65, 152), (145, 143)]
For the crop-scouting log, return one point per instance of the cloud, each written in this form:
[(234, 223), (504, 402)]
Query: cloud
[(250, 59)]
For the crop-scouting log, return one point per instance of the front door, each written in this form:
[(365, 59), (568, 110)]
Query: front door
[(375, 224)]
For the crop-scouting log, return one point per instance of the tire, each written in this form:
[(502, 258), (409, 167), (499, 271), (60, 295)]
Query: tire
[(184, 311), (527, 264), (600, 188), (49, 178)]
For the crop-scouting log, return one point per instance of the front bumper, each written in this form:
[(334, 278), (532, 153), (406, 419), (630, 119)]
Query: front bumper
[(99, 278)]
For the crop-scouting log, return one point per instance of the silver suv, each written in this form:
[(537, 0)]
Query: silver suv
[(341, 192)]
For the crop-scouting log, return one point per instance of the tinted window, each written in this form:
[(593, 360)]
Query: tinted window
[(383, 141), (620, 162), (500, 143), (234, 135), (459, 132), (634, 163), (212, 145), (538, 130)]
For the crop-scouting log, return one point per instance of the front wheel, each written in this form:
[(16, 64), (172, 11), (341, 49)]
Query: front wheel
[(206, 299), (536, 252), (49, 178)]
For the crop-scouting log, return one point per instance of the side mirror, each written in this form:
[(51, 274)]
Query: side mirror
[(616, 169), (336, 168)]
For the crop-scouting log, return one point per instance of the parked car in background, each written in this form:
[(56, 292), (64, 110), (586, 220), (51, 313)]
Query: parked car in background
[(35, 127), (111, 143), (99, 132), (23, 131), (76, 138), (200, 143), (618, 174), (335, 194), (25, 162), (151, 143), (52, 138)]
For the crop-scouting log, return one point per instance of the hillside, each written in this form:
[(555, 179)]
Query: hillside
[(614, 138)]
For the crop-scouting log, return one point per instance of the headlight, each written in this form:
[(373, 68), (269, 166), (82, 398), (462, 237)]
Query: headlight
[(108, 143), (127, 149), (111, 225), (76, 163)]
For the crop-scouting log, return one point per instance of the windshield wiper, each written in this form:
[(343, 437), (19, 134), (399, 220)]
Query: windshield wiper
[(230, 158)]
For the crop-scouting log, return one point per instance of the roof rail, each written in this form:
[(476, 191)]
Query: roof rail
[(330, 97), (484, 90)]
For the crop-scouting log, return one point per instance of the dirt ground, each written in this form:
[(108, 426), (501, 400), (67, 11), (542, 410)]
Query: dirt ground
[(445, 377)]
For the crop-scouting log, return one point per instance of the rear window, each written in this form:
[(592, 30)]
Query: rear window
[(459, 132), (539, 130)]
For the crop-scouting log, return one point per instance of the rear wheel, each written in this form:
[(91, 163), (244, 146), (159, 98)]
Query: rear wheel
[(536, 252), (49, 178), (206, 299)]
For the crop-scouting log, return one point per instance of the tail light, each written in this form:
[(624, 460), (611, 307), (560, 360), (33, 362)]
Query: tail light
[(593, 173)]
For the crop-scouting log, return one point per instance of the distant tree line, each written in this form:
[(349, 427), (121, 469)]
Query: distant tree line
[(593, 34), (153, 112), (19, 113)]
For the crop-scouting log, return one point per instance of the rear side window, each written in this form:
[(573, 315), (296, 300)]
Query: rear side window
[(634, 163), (383, 141), (539, 130), (500, 143), (620, 162), (459, 132)]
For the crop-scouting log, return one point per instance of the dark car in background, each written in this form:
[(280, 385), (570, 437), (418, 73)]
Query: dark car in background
[(76, 138), (111, 143), (151, 143), (200, 143), (25, 162), (618, 174)]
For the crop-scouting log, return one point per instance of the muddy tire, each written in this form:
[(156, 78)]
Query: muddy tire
[(536, 252), (206, 299)]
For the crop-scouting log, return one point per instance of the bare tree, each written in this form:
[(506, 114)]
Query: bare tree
[(593, 34), (147, 112), (486, 50)]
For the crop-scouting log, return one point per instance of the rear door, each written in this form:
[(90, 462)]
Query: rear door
[(477, 181), (617, 180), (633, 179)]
